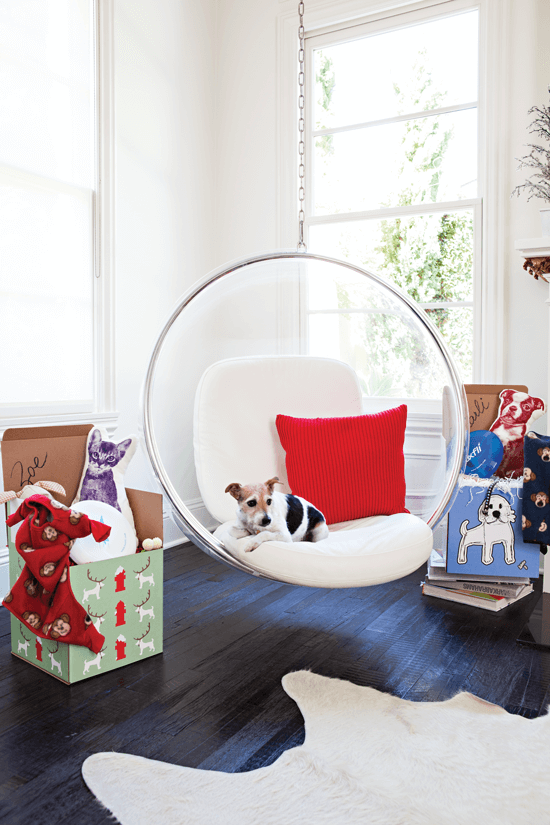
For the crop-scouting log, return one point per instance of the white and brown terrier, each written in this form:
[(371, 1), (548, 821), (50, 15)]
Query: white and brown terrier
[(265, 515)]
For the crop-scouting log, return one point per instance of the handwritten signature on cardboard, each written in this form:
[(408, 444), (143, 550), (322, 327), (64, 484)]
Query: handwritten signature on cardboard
[(28, 474), (479, 407)]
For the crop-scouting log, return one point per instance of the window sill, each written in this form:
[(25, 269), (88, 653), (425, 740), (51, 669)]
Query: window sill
[(108, 420), (428, 408)]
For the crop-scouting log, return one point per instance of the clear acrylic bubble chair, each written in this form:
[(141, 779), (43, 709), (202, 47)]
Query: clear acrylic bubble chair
[(301, 335)]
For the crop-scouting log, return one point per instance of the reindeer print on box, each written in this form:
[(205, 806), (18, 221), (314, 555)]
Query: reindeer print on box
[(103, 476), (129, 619)]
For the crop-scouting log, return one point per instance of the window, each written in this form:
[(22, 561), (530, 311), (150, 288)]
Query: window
[(392, 152), (51, 225)]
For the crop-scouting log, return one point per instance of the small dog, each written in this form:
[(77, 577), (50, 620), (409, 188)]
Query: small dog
[(265, 515), (494, 528)]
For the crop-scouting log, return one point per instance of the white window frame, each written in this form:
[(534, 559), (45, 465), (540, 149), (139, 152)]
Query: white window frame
[(349, 34), (102, 409), (494, 196)]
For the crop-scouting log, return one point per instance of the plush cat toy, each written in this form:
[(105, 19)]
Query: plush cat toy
[(104, 468)]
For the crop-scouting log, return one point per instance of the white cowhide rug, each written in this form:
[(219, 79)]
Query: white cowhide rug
[(368, 758)]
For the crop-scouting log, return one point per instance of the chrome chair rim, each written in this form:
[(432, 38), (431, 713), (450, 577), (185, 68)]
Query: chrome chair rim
[(189, 524)]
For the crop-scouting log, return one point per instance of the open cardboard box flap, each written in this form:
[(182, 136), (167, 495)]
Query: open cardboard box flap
[(31, 454)]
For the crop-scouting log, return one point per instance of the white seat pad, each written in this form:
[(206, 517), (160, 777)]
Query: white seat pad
[(357, 553)]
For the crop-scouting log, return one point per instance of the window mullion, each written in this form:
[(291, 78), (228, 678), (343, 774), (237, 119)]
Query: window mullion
[(339, 184), (395, 211), (444, 110)]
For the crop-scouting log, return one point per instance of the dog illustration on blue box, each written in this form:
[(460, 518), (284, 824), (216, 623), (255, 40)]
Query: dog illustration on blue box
[(496, 517), (484, 530)]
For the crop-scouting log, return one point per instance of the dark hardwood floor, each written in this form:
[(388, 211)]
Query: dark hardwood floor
[(214, 699)]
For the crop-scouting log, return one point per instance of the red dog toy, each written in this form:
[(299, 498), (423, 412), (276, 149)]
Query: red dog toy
[(517, 412)]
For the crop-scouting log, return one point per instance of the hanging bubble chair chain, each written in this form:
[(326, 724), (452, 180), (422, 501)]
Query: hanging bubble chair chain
[(255, 349)]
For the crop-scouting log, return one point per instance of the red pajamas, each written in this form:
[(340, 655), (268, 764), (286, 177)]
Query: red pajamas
[(42, 597)]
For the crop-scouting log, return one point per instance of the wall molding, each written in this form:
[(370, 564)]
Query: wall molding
[(172, 533), (104, 230), (108, 420), (495, 39)]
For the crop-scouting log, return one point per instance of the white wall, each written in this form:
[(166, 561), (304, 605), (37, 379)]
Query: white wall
[(246, 128), (165, 144), (527, 312)]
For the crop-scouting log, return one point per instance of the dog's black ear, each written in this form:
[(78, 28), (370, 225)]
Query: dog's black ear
[(272, 482), (234, 489)]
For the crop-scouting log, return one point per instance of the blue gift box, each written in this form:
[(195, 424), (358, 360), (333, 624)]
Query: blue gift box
[(484, 535)]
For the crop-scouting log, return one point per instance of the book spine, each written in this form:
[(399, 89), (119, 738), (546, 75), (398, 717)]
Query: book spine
[(440, 574), (509, 593), (462, 597), (491, 589)]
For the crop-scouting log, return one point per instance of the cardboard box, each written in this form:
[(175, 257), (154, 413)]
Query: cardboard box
[(124, 595)]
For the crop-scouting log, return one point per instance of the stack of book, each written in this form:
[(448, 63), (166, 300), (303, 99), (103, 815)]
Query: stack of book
[(479, 591)]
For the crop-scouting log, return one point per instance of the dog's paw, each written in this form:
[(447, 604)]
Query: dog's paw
[(249, 545)]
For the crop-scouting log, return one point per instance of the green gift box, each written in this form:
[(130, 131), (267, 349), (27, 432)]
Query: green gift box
[(123, 596)]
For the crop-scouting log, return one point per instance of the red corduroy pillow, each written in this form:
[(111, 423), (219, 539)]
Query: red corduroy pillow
[(347, 467)]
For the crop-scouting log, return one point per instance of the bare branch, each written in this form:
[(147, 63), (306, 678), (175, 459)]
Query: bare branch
[(538, 185)]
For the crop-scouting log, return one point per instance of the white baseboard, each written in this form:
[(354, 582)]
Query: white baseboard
[(173, 535)]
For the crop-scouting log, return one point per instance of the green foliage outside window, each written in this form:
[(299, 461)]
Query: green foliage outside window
[(428, 256)]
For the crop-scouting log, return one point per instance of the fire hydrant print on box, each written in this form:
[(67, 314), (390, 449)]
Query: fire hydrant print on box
[(120, 580), (139, 612), (120, 648), (120, 613)]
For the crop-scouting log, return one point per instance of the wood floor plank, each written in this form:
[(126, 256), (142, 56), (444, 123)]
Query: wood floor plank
[(214, 697)]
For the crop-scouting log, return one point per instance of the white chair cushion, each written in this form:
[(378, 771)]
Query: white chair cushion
[(236, 403), (235, 439), (358, 553)]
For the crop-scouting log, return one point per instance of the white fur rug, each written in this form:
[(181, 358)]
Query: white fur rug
[(368, 759)]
